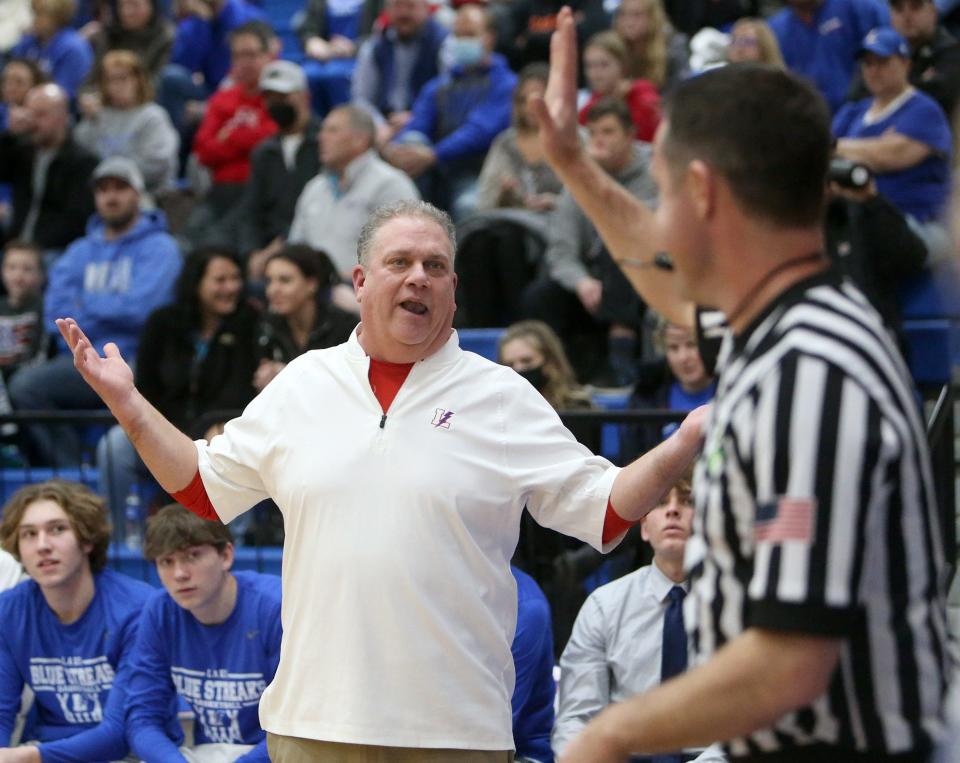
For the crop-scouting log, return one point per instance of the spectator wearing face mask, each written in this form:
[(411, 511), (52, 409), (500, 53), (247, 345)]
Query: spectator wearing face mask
[(280, 167), (456, 117)]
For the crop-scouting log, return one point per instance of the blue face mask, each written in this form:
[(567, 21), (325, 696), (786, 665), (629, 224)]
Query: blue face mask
[(466, 51)]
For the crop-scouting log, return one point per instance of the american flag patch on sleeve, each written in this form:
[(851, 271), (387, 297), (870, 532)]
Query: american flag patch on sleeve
[(786, 519)]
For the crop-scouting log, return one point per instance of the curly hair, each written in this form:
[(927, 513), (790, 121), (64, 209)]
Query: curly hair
[(84, 509)]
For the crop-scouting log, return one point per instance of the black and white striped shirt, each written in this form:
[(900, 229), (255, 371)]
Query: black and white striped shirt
[(816, 514)]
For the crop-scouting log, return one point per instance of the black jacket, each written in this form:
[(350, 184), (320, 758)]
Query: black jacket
[(182, 386), (333, 326), (272, 190), (67, 200), (872, 243), (935, 69)]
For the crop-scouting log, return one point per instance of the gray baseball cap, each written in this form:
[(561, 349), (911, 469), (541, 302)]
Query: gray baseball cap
[(122, 168), (283, 77)]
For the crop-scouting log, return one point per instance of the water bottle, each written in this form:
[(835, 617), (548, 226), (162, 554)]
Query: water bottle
[(133, 521)]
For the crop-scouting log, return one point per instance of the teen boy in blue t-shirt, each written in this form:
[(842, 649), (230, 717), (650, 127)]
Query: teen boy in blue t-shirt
[(212, 637), (68, 632)]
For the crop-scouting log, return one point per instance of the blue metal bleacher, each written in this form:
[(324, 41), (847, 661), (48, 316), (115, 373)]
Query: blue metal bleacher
[(931, 324), (481, 341)]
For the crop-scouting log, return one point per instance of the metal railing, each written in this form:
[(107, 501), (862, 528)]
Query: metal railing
[(941, 436)]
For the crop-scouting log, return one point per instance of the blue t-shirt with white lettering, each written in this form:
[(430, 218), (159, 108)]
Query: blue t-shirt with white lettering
[(78, 672), (825, 50), (220, 671), (921, 190)]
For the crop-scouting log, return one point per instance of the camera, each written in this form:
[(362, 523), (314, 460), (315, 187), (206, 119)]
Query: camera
[(848, 174)]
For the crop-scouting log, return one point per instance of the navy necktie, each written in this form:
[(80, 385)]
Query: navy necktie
[(673, 654), (673, 657)]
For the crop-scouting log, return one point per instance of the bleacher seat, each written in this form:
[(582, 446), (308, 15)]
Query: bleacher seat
[(481, 341), (12, 479), (610, 433), (257, 559), (931, 324)]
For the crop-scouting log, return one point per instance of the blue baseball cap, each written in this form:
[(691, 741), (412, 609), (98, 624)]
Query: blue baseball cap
[(884, 42)]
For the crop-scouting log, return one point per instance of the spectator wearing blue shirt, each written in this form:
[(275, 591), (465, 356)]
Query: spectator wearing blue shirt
[(115, 276), (680, 382), (534, 690), (900, 133), (201, 52), (62, 52), (819, 39), (212, 637), (457, 116), (69, 630), (393, 66)]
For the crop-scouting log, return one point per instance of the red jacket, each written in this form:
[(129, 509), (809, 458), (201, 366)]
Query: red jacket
[(235, 122), (643, 101)]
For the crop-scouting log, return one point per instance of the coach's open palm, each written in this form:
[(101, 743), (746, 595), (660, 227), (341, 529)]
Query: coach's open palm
[(108, 374)]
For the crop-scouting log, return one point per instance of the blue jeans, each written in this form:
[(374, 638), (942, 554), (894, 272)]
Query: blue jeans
[(52, 386), (120, 469)]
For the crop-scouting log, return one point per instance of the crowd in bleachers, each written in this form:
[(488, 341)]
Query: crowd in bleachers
[(253, 127), (188, 179)]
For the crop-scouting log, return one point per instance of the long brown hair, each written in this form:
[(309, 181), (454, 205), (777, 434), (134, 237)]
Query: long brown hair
[(647, 59), (562, 390)]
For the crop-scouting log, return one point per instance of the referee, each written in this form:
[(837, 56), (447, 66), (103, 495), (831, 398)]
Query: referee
[(817, 603)]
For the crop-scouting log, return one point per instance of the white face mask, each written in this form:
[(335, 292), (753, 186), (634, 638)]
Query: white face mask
[(465, 51)]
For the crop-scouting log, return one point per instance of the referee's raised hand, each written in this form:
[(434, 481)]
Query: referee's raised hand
[(556, 111)]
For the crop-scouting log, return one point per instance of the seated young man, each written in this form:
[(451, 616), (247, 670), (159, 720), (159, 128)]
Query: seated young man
[(212, 637), (69, 631), (629, 635)]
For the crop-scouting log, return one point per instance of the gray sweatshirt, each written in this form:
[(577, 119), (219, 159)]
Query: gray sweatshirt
[(143, 134), (572, 235)]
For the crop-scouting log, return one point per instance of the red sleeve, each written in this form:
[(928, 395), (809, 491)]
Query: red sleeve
[(613, 524), (194, 497)]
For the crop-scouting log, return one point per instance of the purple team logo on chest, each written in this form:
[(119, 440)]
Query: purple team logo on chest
[(441, 418)]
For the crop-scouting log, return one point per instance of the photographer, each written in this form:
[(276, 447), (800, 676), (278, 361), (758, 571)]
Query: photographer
[(870, 240)]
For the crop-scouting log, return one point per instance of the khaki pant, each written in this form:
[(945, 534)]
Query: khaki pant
[(284, 749)]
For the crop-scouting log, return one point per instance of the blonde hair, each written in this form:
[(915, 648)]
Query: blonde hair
[(84, 509), (767, 41), (562, 390), (611, 43), (647, 59), (61, 11), (131, 62)]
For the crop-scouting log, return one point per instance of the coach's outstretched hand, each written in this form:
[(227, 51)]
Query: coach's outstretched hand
[(108, 374), (168, 453)]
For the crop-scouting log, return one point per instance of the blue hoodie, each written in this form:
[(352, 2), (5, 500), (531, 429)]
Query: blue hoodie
[(79, 672), (204, 46), (463, 110), (111, 287), (220, 671), (67, 58)]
